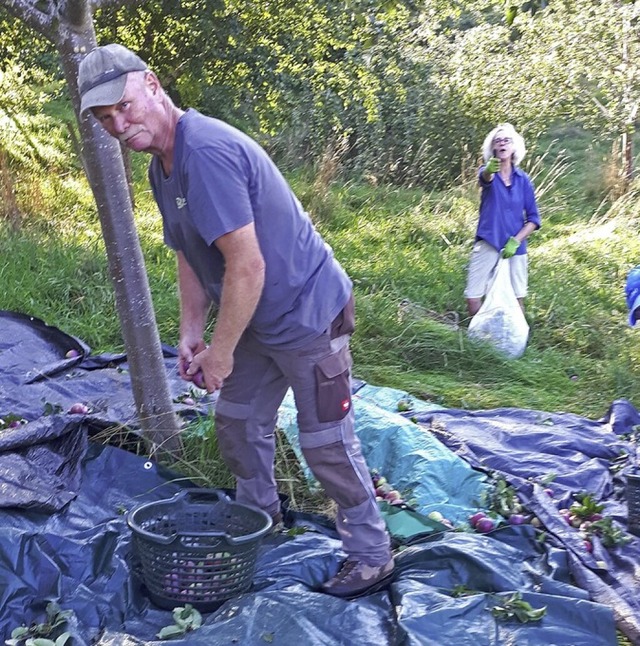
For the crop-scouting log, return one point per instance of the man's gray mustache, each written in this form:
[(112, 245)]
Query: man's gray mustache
[(127, 135)]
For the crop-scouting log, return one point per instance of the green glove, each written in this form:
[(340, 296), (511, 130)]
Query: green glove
[(510, 248), (493, 166)]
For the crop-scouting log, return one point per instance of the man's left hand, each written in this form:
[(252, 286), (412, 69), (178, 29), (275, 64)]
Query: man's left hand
[(510, 248)]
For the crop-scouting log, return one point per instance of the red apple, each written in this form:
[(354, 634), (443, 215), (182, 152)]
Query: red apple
[(473, 520), (78, 409), (484, 525)]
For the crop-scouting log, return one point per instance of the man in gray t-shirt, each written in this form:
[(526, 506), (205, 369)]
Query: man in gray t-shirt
[(285, 313), (223, 181)]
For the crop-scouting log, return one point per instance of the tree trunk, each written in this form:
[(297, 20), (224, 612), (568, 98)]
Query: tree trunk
[(128, 172), (106, 173)]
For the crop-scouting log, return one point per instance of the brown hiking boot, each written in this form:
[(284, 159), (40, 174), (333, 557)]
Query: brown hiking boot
[(277, 525), (356, 577)]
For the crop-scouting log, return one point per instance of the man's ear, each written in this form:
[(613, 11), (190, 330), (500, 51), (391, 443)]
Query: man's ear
[(153, 83)]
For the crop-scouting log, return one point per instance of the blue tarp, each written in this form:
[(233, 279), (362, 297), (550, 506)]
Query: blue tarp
[(64, 536), (415, 461)]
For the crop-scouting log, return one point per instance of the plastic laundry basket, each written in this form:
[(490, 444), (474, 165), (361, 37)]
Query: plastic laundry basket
[(198, 547), (633, 503)]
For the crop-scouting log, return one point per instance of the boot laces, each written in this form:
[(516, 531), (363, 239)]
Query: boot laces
[(347, 570)]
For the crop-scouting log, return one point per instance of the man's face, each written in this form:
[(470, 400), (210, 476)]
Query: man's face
[(136, 119)]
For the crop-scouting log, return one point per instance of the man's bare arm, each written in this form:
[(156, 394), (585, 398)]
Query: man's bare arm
[(242, 286)]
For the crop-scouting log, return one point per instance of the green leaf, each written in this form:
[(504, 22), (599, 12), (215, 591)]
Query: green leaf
[(181, 623), (522, 615), (461, 590), (53, 609), (63, 639), (185, 612), (196, 619), (536, 615), (516, 607), (40, 641), (21, 631), (170, 631), (296, 531)]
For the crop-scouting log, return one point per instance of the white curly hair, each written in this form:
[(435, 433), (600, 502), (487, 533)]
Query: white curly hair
[(506, 130)]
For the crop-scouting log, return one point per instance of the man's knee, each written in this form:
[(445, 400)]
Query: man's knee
[(341, 471), (232, 443)]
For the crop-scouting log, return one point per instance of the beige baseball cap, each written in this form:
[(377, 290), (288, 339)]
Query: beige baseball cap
[(103, 74)]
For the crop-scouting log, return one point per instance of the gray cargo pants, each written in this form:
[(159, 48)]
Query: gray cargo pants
[(320, 376)]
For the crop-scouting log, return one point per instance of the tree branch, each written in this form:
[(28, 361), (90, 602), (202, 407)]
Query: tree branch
[(107, 3), (26, 11), (601, 107), (76, 12)]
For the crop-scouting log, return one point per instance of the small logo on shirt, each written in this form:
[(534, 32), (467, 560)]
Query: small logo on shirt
[(181, 202)]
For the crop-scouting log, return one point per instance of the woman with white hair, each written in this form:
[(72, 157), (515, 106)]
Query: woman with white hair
[(508, 216)]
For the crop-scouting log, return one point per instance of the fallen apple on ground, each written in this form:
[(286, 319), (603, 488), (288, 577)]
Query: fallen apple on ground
[(384, 491), (78, 409)]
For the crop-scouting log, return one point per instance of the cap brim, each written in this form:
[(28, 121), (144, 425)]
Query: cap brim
[(108, 93), (634, 311)]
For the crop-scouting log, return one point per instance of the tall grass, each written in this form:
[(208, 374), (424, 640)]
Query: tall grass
[(400, 246)]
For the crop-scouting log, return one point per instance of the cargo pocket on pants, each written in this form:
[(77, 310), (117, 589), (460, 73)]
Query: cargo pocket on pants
[(333, 386)]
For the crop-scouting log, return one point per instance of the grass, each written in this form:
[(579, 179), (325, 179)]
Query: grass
[(406, 251)]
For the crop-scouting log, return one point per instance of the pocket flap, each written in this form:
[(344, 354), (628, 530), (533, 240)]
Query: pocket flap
[(335, 364)]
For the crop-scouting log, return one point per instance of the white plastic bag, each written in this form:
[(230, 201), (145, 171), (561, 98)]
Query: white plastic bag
[(500, 320)]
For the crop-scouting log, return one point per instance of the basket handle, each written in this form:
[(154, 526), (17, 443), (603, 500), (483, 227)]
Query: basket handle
[(192, 493), (202, 494), (205, 495)]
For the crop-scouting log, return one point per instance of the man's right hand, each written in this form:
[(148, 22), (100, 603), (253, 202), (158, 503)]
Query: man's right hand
[(493, 166), (187, 349)]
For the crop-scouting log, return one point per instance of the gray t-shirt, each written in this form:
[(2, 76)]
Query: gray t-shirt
[(223, 180)]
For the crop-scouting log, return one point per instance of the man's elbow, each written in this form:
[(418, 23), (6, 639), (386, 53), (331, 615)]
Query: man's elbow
[(257, 271), (258, 266)]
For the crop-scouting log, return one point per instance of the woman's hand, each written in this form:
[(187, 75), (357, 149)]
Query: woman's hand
[(493, 166), (510, 248)]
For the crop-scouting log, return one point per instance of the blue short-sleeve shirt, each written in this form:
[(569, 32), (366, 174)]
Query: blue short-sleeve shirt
[(223, 180)]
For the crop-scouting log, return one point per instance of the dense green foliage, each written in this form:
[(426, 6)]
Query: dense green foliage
[(401, 91)]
